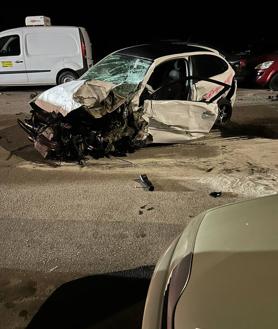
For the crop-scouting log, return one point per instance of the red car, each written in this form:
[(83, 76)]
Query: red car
[(261, 70), (267, 70)]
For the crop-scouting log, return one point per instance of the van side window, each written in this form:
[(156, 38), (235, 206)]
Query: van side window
[(9, 46)]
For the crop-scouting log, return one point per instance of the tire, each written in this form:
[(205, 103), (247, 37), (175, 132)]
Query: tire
[(66, 76), (224, 112), (273, 84)]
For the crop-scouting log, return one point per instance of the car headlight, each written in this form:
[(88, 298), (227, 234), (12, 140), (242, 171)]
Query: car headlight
[(264, 65), (176, 285)]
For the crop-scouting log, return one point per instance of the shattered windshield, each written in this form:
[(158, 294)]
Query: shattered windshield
[(124, 71)]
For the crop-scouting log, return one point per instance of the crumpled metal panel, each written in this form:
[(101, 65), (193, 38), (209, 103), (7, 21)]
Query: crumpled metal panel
[(181, 117), (59, 98), (98, 97)]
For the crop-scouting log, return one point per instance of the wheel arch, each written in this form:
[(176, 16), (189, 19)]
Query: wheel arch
[(224, 104), (270, 77), (66, 70)]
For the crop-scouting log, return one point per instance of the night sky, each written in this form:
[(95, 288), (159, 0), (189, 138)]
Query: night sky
[(112, 25)]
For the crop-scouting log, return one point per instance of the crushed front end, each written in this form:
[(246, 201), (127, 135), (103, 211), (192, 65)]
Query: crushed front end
[(101, 126)]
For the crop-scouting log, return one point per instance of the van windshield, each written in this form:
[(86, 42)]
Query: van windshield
[(124, 71)]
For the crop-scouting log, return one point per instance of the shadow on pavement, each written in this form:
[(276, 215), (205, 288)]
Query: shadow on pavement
[(255, 130), (110, 301), (38, 89)]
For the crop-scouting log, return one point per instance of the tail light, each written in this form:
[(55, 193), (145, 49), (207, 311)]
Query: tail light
[(83, 49)]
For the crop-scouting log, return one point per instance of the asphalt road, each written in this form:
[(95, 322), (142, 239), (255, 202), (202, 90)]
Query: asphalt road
[(61, 222)]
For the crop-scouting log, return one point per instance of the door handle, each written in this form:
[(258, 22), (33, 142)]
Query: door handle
[(19, 61), (207, 115)]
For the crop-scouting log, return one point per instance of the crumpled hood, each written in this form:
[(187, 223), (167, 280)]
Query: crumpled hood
[(97, 97), (59, 99)]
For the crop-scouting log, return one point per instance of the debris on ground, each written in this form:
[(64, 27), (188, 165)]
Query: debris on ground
[(215, 194), (144, 180), (273, 98), (53, 268)]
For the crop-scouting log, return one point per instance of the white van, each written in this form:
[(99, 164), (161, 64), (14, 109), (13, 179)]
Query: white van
[(40, 54)]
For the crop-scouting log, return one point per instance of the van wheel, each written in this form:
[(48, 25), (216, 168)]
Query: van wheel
[(273, 84), (224, 113), (66, 76)]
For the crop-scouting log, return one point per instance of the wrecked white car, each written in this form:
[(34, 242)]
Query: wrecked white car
[(168, 93)]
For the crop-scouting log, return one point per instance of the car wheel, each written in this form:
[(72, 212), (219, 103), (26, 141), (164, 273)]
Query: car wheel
[(66, 76), (273, 84), (224, 112)]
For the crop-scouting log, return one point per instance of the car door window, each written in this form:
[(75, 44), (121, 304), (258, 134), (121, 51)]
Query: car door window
[(9, 46), (207, 66), (168, 81)]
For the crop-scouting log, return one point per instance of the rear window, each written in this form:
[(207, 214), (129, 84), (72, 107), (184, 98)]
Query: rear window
[(207, 66), (56, 44), (9, 46)]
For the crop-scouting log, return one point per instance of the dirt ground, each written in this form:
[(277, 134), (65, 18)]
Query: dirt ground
[(61, 222)]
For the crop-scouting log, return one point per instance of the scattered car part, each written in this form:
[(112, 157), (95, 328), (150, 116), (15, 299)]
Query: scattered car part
[(144, 180), (273, 98), (215, 194)]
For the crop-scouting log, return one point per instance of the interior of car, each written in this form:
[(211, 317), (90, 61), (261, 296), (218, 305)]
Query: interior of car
[(168, 81)]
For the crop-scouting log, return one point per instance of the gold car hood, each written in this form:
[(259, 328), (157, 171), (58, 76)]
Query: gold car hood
[(233, 281)]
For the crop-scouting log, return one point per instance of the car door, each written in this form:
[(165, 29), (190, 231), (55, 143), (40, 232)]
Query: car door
[(12, 64), (211, 77), (172, 115)]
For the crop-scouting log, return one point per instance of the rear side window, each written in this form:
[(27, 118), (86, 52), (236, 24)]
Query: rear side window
[(206, 66), (9, 46)]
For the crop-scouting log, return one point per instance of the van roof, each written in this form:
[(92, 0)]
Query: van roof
[(28, 28)]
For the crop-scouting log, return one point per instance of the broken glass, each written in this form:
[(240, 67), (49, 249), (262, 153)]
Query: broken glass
[(124, 71)]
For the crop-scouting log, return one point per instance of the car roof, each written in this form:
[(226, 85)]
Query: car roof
[(160, 49)]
